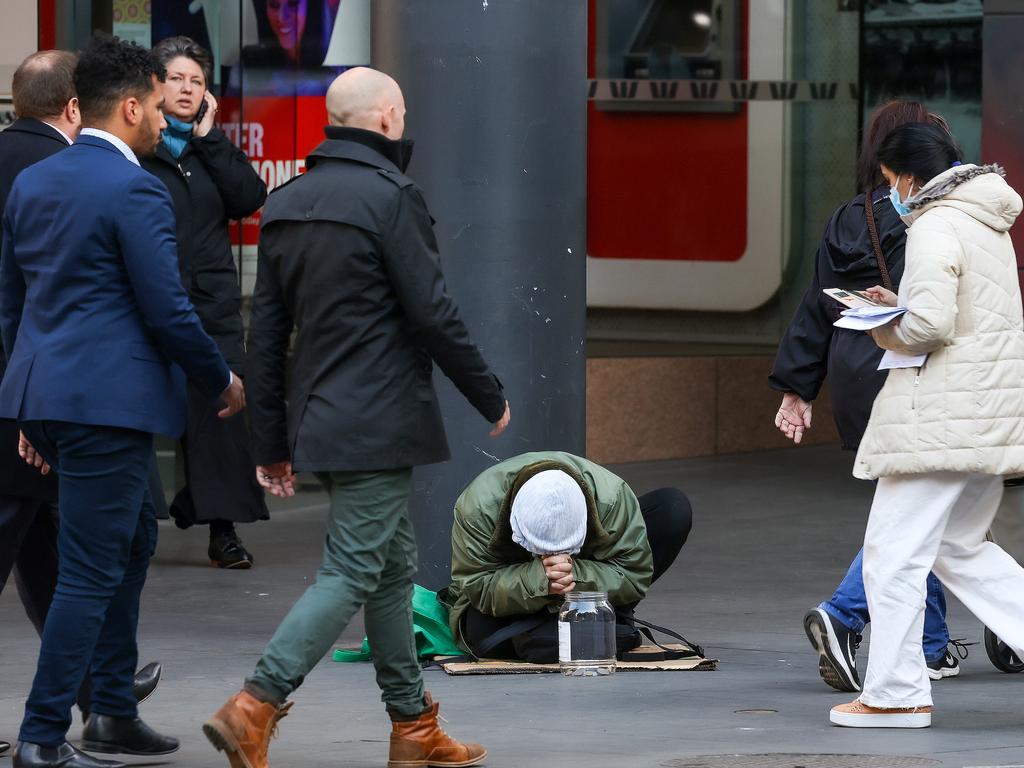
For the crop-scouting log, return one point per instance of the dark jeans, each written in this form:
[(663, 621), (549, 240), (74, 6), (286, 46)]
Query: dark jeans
[(668, 517), (107, 534)]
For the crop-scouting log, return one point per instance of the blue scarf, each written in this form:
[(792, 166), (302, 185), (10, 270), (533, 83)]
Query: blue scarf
[(177, 135)]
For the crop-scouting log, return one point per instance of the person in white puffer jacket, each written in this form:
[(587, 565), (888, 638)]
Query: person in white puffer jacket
[(942, 434)]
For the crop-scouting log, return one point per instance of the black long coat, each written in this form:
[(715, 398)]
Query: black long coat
[(211, 183), (812, 347), (348, 256), (24, 143)]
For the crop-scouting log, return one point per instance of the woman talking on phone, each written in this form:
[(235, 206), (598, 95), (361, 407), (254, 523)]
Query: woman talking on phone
[(211, 182)]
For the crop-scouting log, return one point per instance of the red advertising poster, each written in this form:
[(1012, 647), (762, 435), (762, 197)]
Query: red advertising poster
[(276, 132)]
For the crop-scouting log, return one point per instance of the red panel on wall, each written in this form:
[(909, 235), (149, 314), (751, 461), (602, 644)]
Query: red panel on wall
[(666, 185), (47, 24), (277, 133)]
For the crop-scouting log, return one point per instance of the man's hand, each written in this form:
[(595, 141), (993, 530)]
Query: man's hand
[(277, 479), (203, 126), (558, 569), (794, 417), (30, 455), (233, 397), (499, 426)]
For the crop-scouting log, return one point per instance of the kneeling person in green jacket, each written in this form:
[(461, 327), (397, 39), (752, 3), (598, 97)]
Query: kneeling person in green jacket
[(539, 525)]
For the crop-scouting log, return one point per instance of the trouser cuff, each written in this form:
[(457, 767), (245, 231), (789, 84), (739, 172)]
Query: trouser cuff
[(262, 694)]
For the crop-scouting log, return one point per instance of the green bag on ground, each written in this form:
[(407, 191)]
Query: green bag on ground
[(429, 625)]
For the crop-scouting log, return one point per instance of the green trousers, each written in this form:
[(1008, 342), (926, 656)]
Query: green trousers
[(369, 562)]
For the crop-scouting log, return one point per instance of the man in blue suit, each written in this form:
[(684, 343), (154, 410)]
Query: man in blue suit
[(99, 337)]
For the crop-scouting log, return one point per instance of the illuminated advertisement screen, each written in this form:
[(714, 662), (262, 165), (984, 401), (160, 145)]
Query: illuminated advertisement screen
[(273, 62)]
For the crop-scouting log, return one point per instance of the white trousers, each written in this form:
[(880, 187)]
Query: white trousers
[(938, 522)]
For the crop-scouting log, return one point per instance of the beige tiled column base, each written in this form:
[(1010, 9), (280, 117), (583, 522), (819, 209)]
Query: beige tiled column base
[(652, 408)]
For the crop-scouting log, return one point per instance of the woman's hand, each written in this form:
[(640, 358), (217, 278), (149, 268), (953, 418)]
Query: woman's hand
[(882, 296), (794, 417), (203, 127)]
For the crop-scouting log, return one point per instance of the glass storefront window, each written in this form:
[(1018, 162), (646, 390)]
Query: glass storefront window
[(930, 51)]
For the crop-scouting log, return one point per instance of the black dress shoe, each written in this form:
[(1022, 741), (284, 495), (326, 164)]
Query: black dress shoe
[(226, 550), (126, 736), (146, 681), (65, 756), (4, 746)]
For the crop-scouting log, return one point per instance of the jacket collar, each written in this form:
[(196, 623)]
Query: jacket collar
[(365, 147), (501, 543), (38, 128)]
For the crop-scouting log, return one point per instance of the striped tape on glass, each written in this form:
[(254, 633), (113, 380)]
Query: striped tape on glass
[(721, 90)]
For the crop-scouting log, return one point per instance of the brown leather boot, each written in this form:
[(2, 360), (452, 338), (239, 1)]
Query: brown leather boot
[(419, 742), (243, 728)]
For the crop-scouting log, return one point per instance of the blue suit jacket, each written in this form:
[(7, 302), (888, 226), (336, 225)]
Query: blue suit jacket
[(93, 316)]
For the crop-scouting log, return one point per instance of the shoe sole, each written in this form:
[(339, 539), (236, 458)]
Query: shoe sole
[(939, 674), (156, 684), (223, 740), (429, 764), (113, 749), (899, 720), (241, 565), (831, 663)]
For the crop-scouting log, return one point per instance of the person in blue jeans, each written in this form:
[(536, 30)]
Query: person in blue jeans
[(862, 247)]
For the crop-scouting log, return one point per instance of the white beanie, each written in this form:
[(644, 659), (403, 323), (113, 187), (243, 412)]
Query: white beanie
[(549, 514)]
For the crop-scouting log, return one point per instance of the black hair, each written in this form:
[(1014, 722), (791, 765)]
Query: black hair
[(44, 84), (110, 70), (923, 150), (171, 48)]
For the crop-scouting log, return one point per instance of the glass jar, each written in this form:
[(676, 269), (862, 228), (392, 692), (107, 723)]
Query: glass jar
[(586, 635)]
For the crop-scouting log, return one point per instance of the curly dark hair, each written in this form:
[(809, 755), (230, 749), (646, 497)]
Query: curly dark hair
[(109, 70), (171, 48)]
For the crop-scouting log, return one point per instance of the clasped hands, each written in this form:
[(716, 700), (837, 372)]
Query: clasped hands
[(558, 569)]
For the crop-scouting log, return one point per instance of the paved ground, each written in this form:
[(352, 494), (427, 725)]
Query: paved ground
[(773, 534)]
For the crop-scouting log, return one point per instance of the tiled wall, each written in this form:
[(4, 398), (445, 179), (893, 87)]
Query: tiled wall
[(651, 408)]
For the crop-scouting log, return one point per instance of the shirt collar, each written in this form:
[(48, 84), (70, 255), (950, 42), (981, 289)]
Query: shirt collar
[(123, 148), (58, 130)]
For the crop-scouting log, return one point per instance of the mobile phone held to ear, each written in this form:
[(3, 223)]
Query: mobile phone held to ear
[(202, 111)]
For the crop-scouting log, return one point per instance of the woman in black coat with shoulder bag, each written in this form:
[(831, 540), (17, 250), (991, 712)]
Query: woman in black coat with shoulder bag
[(862, 247), (211, 182)]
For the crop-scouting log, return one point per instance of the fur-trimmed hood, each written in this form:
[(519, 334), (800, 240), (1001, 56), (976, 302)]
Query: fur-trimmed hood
[(978, 190)]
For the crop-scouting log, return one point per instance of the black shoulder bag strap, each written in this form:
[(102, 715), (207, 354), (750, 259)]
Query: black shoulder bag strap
[(869, 214), (645, 627)]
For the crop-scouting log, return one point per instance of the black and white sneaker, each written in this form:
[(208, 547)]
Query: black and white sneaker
[(948, 665), (837, 646)]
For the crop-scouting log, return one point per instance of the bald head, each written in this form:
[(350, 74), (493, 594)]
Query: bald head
[(365, 98)]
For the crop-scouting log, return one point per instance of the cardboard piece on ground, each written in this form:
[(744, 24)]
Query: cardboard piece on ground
[(500, 667)]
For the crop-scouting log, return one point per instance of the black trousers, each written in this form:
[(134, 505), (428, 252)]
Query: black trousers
[(668, 517)]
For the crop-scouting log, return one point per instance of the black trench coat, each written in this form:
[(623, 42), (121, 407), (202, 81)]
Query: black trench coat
[(812, 348), (211, 183), (348, 256)]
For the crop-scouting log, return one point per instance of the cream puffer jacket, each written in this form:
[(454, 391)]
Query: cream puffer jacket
[(963, 410)]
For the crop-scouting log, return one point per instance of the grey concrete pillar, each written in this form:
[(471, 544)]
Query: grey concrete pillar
[(496, 97)]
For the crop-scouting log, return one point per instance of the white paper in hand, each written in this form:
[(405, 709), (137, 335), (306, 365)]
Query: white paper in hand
[(891, 360), (866, 318)]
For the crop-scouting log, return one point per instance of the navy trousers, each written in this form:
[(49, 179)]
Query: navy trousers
[(107, 535)]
